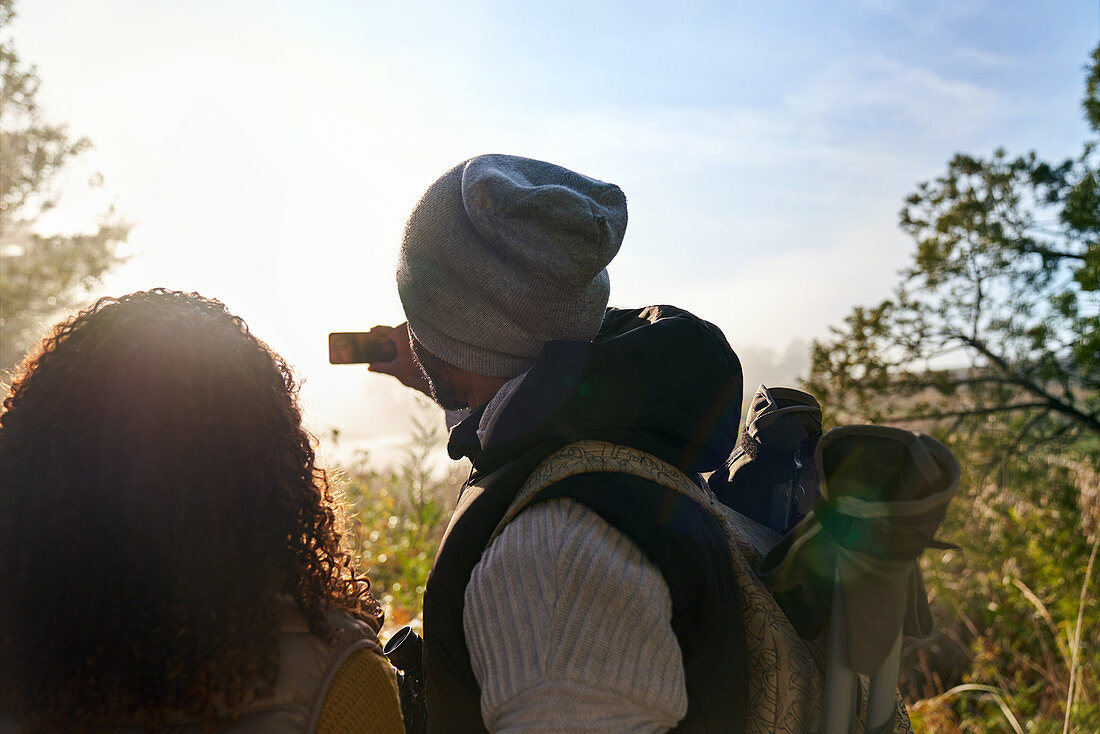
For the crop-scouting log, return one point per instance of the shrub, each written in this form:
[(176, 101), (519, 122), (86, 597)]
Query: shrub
[(397, 515), (1027, 528)]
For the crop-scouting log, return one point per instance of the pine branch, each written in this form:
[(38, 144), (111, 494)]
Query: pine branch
[(969, 412), (1049, 400)]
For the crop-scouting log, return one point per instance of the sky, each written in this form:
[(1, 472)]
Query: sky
[(268, 152)]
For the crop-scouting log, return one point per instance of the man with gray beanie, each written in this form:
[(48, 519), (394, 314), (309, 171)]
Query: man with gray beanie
[(565, 596)]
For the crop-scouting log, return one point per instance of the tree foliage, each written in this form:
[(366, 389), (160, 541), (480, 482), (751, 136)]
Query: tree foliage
[(991, 342), (40, 274), (998, 312)]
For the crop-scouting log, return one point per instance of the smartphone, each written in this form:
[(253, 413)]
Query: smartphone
[(359, 347)]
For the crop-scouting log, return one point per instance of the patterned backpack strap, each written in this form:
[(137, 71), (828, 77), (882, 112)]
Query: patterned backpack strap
[(584, 457)]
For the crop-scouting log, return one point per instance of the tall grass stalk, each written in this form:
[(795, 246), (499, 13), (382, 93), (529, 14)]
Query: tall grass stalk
[(1077, 635), (997, 694)]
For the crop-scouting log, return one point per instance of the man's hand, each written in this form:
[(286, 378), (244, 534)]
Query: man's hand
[(403, 366)]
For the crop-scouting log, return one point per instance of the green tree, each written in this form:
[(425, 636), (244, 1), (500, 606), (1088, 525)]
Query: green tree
[(39, 274), (991, 342), (1004, 277)]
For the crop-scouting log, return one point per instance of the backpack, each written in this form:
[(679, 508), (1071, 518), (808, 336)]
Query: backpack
[(786, 674), (770, 477)]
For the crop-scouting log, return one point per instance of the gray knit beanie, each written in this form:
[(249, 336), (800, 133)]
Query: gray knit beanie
[(503, 254)]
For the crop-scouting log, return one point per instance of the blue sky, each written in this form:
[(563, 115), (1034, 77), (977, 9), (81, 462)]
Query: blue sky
[(269, 152)]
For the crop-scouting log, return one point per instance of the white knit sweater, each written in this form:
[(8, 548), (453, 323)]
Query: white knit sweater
[(568, 626)]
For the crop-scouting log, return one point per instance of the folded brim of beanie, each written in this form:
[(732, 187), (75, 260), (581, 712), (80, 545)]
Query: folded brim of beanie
[(473, 357)]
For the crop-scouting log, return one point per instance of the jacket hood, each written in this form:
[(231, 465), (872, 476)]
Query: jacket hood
[(659, 379)]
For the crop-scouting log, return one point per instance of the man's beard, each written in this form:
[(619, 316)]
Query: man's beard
[(444, 392)]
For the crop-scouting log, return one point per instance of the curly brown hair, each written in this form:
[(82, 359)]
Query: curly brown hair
[(157, 493)]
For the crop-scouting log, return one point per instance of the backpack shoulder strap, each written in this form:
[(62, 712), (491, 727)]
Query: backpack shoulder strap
[(584, 457), (751, 539)]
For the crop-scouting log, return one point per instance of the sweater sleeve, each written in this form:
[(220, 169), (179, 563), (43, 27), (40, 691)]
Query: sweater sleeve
[(569, 628), (362, 698)]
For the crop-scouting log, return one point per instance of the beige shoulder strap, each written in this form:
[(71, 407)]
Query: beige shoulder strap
[(585, 457)]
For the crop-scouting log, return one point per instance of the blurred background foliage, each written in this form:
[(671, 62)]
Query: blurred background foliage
[(1018, 619), (41, 274), (396, 516), (991, 343)]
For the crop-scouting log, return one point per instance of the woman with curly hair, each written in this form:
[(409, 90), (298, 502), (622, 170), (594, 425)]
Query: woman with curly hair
[(169, 552)]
